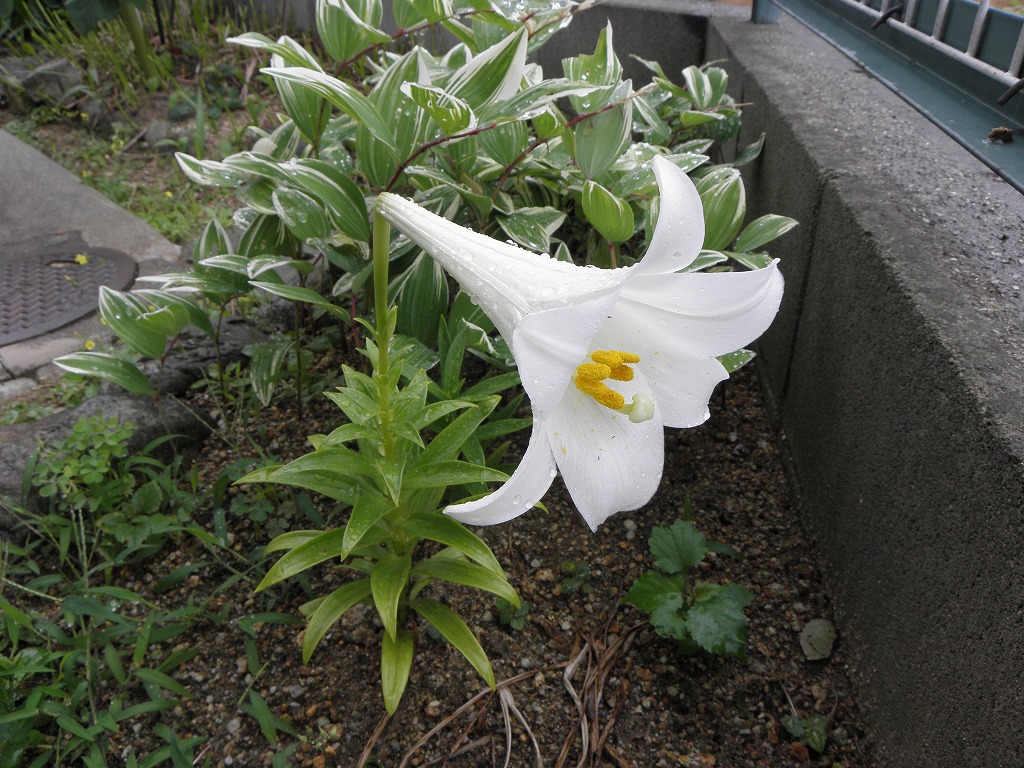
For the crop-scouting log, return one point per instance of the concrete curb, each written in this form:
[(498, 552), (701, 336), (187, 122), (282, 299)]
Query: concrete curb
[(894, 370)]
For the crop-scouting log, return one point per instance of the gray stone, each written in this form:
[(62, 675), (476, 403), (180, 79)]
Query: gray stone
[(20, 441), (29, 82), (14, 387), (817, 638)]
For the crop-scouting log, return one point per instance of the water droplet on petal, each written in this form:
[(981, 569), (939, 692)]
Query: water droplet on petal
[(517, 499)]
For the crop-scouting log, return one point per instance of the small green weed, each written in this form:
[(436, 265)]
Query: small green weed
[(698, 615), (577, 578), (811, 731), (510, 616)]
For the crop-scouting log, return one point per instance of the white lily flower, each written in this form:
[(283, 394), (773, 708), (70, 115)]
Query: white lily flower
[(607, 357)]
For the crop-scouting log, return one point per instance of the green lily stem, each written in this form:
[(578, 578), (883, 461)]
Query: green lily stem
[(143, 49), (381, 252), (381, 246)]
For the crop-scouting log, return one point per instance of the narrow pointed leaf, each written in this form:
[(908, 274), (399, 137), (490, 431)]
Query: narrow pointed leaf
[(437, 527), (368, 509), (395, 664), (388, 581), (467, 574), (298, 293), (329, 611), (108, 368), (341, 94), (456, 632), (318, 549), (763, 230)]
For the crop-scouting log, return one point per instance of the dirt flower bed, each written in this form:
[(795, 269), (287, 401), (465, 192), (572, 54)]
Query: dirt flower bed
[(584, 681)]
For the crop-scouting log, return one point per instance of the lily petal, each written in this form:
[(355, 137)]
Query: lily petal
[(548, 345), (520, 492), (608, 463), (679, 233), (702, 314), (507, 282)]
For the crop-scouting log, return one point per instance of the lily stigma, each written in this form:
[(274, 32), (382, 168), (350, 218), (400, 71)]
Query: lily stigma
[(608, 357)]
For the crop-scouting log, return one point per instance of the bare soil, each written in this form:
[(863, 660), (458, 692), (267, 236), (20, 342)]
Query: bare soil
[(585, 682)]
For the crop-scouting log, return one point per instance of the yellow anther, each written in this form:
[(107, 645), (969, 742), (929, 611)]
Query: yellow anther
[(613, 357), (593, 371), (601, 393), (621, 373), (607, 364)]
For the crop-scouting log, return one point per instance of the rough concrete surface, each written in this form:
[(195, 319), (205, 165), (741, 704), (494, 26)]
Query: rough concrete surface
[(894, 369)]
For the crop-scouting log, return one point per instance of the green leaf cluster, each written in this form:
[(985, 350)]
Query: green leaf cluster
[(405, 446), (698, 615), (811, 730)]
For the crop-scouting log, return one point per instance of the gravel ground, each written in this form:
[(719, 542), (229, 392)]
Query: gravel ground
[(645, 705)]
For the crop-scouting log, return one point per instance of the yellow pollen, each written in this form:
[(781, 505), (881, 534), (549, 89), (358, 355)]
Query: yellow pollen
[(612, 357), (621, 373), (599, 391), (593, 371), (607, 364)]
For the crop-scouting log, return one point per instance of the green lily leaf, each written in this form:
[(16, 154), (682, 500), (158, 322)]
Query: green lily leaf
[(395, 665), (454, 630), (467, 574), (325, 546), (388, 581), (329, 611), (368, 509), (736, 360), (444, 530), (440, 474)]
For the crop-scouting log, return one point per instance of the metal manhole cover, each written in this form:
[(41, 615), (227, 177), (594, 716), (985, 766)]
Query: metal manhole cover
[(44, 290)]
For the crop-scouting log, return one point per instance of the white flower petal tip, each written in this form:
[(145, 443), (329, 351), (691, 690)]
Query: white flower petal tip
[(607, 357), (521, 491)]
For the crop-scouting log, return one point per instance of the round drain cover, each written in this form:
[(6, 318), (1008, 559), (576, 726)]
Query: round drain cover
[(43, 290)]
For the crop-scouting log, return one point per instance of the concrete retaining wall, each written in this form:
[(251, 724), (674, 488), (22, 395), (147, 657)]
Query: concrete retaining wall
[(895, 371)]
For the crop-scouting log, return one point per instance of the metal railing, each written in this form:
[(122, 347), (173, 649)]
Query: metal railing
[(934, 32), (959, 62)]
